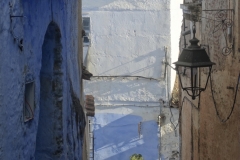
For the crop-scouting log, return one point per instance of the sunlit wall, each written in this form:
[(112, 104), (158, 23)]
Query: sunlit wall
[(176, 22)]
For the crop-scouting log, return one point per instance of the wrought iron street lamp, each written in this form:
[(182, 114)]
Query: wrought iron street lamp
[(192, 59)]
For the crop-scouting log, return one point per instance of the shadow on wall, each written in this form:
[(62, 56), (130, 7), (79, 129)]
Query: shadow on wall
[(141, 90), (88, 4), (49, 137), (120, 138), (138, 65), (96, 4)]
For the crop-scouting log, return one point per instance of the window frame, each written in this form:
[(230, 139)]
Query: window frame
[(87, 29)]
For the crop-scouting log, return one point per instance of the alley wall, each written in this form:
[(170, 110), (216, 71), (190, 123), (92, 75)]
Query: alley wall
[(40, 54), (210, 126), (125, 56)]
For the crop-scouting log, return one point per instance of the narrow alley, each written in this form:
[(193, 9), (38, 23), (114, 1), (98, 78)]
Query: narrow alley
[(119, 80)]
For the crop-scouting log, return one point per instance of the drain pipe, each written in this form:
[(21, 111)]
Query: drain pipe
[(159, 143), (159, 127)]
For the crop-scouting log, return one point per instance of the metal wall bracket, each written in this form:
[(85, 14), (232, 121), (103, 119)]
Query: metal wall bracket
[(223, 20)]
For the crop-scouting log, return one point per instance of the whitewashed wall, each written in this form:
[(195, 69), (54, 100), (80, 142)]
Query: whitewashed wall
[(128, 39)]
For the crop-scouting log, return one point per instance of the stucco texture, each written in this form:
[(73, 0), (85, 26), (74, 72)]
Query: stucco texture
[(60, 121), (126, 57), (212, 131), (127, 41)]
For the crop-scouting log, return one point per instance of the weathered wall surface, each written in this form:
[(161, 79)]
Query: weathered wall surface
[(18, 138), (214, 130), (131, 45), (128, 39)]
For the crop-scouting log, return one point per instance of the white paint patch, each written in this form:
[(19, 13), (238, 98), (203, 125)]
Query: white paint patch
[(125, 90)]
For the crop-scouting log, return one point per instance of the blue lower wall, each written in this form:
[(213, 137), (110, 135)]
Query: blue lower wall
[(117, 137)]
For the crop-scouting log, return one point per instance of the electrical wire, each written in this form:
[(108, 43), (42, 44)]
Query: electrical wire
[(150, 78), (175, 126), (236, 91), (166, 79), (185, 98), (234, 101), (166, 63), (129, 105), (180, 114)]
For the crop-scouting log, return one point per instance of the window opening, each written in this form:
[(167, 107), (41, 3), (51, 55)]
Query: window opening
[(28, 111), (86, 28)]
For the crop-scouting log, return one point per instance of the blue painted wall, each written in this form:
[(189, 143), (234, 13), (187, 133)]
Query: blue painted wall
[(117, 138), (18, 138)]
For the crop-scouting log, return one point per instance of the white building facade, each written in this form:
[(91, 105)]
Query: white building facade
[(125, 46)]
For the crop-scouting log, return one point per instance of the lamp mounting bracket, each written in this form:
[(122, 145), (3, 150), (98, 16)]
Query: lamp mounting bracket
[(223, 20)]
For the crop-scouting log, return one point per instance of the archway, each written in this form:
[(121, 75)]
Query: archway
[(49, 141)]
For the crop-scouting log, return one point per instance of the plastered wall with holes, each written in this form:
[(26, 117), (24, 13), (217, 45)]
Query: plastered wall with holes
[(212, 130), (41, 116)]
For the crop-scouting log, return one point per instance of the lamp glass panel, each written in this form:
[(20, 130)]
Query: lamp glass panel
[(189, 79), (193, 80)]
